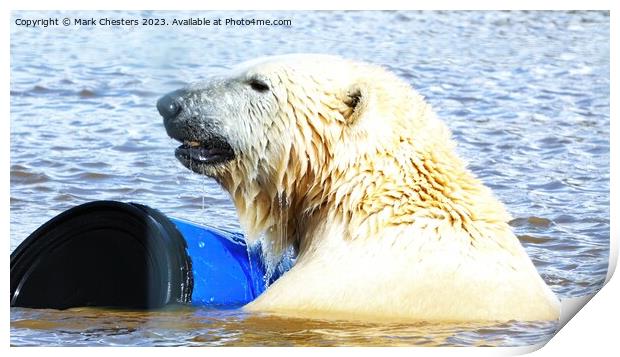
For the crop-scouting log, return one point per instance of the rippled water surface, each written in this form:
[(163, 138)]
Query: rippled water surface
[(526, 95)]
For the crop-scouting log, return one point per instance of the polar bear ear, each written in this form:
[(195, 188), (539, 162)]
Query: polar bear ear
[(355, 99)]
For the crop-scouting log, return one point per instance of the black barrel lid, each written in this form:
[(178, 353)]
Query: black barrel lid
[(102, 253)]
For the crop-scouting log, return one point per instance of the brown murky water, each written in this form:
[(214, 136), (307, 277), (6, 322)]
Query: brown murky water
[(186, 326), (526, 95)]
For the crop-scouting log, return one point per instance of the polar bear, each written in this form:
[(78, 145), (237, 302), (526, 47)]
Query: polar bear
[(345, 162)]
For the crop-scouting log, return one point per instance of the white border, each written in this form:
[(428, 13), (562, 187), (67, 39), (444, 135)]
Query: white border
[(589, 331)]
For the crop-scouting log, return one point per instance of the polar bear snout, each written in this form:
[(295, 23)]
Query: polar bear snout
[(184, 118), (170, 105), (191, 123)]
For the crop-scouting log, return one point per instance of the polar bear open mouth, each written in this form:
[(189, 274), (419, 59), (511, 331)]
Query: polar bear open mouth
[(211, 152)]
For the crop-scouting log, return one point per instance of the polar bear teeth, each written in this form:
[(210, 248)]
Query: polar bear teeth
[(192, 144)]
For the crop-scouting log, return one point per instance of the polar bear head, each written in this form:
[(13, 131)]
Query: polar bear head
[(266, 108)]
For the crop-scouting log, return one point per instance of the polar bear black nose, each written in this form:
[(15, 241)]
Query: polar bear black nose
[(169, 106)]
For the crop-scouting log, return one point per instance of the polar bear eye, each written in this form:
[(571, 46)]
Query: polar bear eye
[(258, 85)]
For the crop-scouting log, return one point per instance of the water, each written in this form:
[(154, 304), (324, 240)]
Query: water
[(526, 95)]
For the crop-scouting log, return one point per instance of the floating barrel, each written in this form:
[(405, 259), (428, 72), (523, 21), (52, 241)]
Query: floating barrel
[(127, 255)]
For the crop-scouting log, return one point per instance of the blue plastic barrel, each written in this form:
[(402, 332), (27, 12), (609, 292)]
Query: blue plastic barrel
[(115, 254)]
